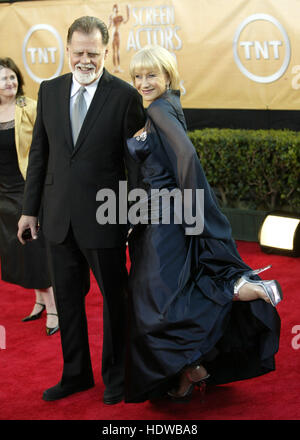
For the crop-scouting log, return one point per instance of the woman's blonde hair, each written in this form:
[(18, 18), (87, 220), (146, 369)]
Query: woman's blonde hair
[(151, 57)]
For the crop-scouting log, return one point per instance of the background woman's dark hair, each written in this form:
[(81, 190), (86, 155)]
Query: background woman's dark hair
[(10, 64), (87, 25)]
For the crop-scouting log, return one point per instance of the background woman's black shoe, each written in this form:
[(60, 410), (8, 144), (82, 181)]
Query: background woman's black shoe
[(51, 330), (36, 315)]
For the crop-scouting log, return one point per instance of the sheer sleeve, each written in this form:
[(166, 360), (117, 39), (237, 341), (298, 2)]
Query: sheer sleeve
[(187, 169), (177, 145)]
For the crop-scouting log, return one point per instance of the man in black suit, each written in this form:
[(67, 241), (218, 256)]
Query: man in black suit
[(64, 174)]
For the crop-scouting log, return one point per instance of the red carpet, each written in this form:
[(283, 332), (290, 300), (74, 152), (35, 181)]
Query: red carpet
[(32, 362)]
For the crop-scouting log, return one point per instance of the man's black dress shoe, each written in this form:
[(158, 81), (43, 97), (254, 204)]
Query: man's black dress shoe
[(111, 399), (59, 392)]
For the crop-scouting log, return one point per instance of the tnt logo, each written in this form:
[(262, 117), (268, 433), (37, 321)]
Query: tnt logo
[(261, 48), (43, 52), (2, 338)]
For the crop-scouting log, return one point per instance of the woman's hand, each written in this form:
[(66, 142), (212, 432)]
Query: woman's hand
[(138, 133)]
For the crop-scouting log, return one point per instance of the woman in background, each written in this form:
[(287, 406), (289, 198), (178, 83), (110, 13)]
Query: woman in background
[(27, 265), (185, 325)]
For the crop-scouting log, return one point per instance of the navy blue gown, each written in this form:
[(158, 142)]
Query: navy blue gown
[(181, 286)]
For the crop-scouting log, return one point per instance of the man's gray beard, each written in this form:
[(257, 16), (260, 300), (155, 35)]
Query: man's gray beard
[(83, 78)]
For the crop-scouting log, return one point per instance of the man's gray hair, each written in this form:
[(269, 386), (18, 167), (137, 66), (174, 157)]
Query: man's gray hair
[(87, 25)]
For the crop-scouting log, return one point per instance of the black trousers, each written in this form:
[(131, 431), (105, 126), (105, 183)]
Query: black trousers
[(70, 271)]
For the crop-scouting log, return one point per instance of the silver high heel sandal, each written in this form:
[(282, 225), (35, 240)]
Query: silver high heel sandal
[(271, 288)]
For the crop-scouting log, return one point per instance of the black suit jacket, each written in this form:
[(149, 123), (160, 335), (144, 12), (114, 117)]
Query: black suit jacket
[(67, 179)]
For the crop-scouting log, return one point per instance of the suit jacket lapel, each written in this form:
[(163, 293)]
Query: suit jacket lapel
[(66, 91), (97, 104)]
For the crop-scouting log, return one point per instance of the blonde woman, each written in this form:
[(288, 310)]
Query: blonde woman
[(185, 326), (22, 265)]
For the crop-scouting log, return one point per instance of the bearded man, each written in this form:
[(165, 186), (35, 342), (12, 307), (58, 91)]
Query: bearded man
[(78, 148)]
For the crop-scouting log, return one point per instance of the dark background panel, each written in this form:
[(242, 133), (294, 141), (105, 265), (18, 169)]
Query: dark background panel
[(246, 119)]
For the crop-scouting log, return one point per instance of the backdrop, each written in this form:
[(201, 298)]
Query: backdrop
[(231, 53)]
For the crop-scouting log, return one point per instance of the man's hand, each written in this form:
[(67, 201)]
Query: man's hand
[(27, 222)]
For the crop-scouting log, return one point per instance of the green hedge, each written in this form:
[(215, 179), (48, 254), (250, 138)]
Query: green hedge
[(254, 169)]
